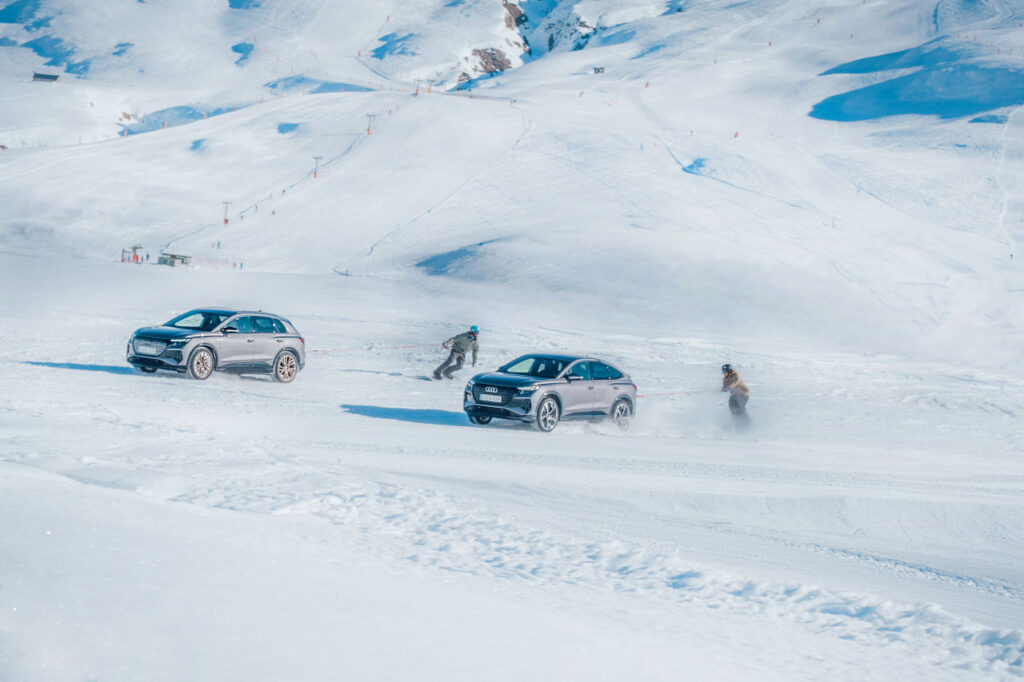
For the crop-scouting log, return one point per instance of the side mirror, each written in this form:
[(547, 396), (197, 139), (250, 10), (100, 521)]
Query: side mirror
[(229, 330), (572, 377)]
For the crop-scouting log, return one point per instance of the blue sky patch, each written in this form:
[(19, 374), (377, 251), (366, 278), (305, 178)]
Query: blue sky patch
[(394, 45)]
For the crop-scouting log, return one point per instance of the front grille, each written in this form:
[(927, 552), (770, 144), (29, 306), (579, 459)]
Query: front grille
[(149, 346), (503, 392)]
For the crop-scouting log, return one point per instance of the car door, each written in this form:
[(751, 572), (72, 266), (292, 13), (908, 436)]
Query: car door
[(235, 349), (270, 335), (607, 385), (577, 393)]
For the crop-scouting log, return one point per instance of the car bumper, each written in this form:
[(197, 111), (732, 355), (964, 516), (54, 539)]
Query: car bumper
[(518, 409), (170, 359)]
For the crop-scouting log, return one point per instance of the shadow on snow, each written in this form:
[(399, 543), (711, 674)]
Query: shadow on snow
[(415, 416), (110, 369)]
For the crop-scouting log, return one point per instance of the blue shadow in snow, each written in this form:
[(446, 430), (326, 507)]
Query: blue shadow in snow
[(7, 42), (648, 51), (50, 48), (197, 144), (991, 118), (243, 4), (315, 86), (676, 6), (440, 417), (949, 92), (449, 262), (943, 86), (925, 55), (19, 11), (285, 128), (109, 369), (244, 49), (121, 48), (616, 37), (695, 168), (394, 45), (58, 54), (176, 116)]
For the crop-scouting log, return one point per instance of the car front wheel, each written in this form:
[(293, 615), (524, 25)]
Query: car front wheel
[(147, 370), (621, 414), (479, 420), (548, 413), (200, 364), (286, 367)]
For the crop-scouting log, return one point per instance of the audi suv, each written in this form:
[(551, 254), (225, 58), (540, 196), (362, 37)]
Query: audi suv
[(544, 389), (201, 341)]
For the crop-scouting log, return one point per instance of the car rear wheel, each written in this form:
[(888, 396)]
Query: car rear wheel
[(479, 420), (147, 370), (621, 414), (548, 413), (201, 364), (286, 367)]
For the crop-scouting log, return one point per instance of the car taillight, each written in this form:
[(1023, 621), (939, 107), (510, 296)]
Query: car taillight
[(635, 388), (302, 340)]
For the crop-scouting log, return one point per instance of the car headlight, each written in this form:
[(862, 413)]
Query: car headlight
[(180, 343), (470, 384), (527, 390)]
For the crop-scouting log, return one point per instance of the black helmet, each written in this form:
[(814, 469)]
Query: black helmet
[(727, 367)]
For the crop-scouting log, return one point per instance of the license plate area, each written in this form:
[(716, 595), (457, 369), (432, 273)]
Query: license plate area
[(149, 348), (490, 397)]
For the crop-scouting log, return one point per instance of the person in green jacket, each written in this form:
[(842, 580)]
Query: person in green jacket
[(459, 345)]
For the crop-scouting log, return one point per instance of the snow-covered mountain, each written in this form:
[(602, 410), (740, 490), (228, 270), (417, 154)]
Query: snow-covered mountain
[(828, 194)]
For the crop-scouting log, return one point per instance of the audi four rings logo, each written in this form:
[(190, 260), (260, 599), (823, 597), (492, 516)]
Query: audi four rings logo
[(490, 389)]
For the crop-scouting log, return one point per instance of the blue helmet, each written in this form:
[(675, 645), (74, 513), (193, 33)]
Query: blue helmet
[(475, 329), (727, 368)]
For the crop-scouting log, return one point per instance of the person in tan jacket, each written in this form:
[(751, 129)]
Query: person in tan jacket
[(739, 394)]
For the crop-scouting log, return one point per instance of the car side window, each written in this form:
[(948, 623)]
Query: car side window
[(581, 369), (603, 371), (279, 326), (193, 321), (243, 324), (263, 325)]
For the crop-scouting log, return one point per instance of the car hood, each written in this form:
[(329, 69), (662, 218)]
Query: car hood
[(503, 379), (164, 333)]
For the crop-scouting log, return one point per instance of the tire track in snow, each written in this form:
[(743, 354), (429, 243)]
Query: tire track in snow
[(431, 527)]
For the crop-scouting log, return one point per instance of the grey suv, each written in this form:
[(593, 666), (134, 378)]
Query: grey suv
[(201, 341), (542, 389)]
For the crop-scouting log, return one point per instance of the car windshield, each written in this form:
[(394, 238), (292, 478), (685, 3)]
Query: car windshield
[(199, 320), (536, 366)]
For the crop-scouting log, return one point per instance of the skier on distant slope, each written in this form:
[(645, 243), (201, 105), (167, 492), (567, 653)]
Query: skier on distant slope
[(739, 394), (459, 345)]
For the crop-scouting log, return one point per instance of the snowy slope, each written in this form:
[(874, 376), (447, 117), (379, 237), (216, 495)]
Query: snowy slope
[(827, 195)]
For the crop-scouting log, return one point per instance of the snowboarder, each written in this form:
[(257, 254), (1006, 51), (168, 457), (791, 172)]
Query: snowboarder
[(739, 394), (459, 346)]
